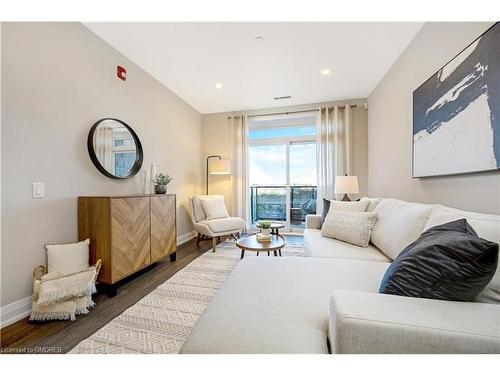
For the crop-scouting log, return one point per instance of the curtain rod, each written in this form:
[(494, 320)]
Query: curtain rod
[(292, 112), (284, 113), (343, 106)]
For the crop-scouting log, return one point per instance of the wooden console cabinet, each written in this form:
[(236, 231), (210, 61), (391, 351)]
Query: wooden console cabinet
[(128, 232)]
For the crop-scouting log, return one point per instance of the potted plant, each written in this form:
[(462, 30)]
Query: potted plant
[(265, 228), (161, 181)]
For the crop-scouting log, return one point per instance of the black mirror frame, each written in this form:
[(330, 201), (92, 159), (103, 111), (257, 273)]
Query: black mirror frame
[(138, 157)]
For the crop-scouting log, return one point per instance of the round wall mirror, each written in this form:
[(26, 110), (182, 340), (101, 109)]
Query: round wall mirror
[(114, 148)]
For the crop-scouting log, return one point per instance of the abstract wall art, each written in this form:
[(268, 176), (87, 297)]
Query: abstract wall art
[(456, 113)]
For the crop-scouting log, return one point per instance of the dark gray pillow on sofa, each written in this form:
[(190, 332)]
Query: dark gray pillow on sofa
[(447, 262), (326, 208)]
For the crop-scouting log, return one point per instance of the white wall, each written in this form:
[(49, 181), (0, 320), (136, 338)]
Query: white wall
[(390, 126), (217, 141), (57, 80)]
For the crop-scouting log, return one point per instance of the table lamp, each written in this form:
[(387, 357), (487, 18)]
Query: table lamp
[(346, 185)]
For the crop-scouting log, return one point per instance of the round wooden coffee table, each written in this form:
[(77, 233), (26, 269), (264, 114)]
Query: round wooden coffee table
[(250, 243), (275, 227)]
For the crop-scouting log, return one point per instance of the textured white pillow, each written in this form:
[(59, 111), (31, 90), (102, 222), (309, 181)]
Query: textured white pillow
[(352, 227), (214, 208), (399, 224), (343, 206), (68, 258)]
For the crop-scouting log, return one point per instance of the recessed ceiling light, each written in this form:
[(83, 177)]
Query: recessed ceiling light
[(218, 85), (325, 72), (259, 38)]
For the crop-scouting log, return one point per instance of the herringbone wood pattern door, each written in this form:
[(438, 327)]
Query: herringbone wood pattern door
[(131, 226), (163, 236)]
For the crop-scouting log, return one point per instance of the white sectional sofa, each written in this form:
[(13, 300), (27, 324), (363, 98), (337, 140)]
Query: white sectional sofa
[(328, 302)]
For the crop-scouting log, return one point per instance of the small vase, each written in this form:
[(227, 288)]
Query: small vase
[(265, 232), (161, 189)]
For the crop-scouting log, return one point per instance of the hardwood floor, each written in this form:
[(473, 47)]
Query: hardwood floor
[(61, 336)]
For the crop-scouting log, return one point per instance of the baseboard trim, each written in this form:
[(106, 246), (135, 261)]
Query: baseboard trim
[(183, 238), (15, 311)]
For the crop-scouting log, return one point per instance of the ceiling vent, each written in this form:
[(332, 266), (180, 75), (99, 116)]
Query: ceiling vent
[(283, 97)]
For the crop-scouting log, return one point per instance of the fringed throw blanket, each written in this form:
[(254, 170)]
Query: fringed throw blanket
[(59, 296)]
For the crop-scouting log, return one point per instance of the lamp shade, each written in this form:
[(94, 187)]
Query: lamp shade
[(220, 167), (346, 185)]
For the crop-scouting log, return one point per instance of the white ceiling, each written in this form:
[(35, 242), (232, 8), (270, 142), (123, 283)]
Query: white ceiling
[(190, 58)]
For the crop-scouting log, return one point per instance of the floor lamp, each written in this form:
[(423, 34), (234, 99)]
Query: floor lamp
[(218, 167)]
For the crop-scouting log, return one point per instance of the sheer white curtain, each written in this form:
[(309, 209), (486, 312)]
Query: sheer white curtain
[(239, 156), (334, 149)]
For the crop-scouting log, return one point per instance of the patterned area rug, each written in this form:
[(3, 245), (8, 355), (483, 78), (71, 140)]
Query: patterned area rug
[(161, 321)]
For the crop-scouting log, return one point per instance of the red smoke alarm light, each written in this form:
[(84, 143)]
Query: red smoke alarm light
[(121, 72)]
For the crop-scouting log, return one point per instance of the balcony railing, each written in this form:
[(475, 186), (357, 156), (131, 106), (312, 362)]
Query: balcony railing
[(269, 203)]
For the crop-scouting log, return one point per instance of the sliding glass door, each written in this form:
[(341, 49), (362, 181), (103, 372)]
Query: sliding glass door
[(282, 171), (302, 185), (268, 176)]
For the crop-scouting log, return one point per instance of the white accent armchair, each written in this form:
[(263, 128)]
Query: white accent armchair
[(213, 228)]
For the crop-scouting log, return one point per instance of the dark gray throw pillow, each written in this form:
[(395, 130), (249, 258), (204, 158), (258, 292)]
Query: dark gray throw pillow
[(447, 262), (326, 208)]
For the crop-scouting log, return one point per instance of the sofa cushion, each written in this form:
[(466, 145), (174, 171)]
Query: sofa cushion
[(486, 226), (226, 224), (197, 208), (367, 323), (323, 247), (352, 227), (448, 262), (372, 203), (278, 305), (399, 224)]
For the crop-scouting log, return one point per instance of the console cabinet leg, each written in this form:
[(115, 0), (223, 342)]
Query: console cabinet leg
[(111, 290), (173, 257)]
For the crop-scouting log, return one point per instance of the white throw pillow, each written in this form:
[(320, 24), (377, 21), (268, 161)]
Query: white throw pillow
[(214, 208), (487, 227), (352, 227), (359, 206), (68, 258), (399, 224), (333, 205)]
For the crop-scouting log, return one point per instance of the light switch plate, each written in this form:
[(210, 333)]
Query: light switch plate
[(38, 190)]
